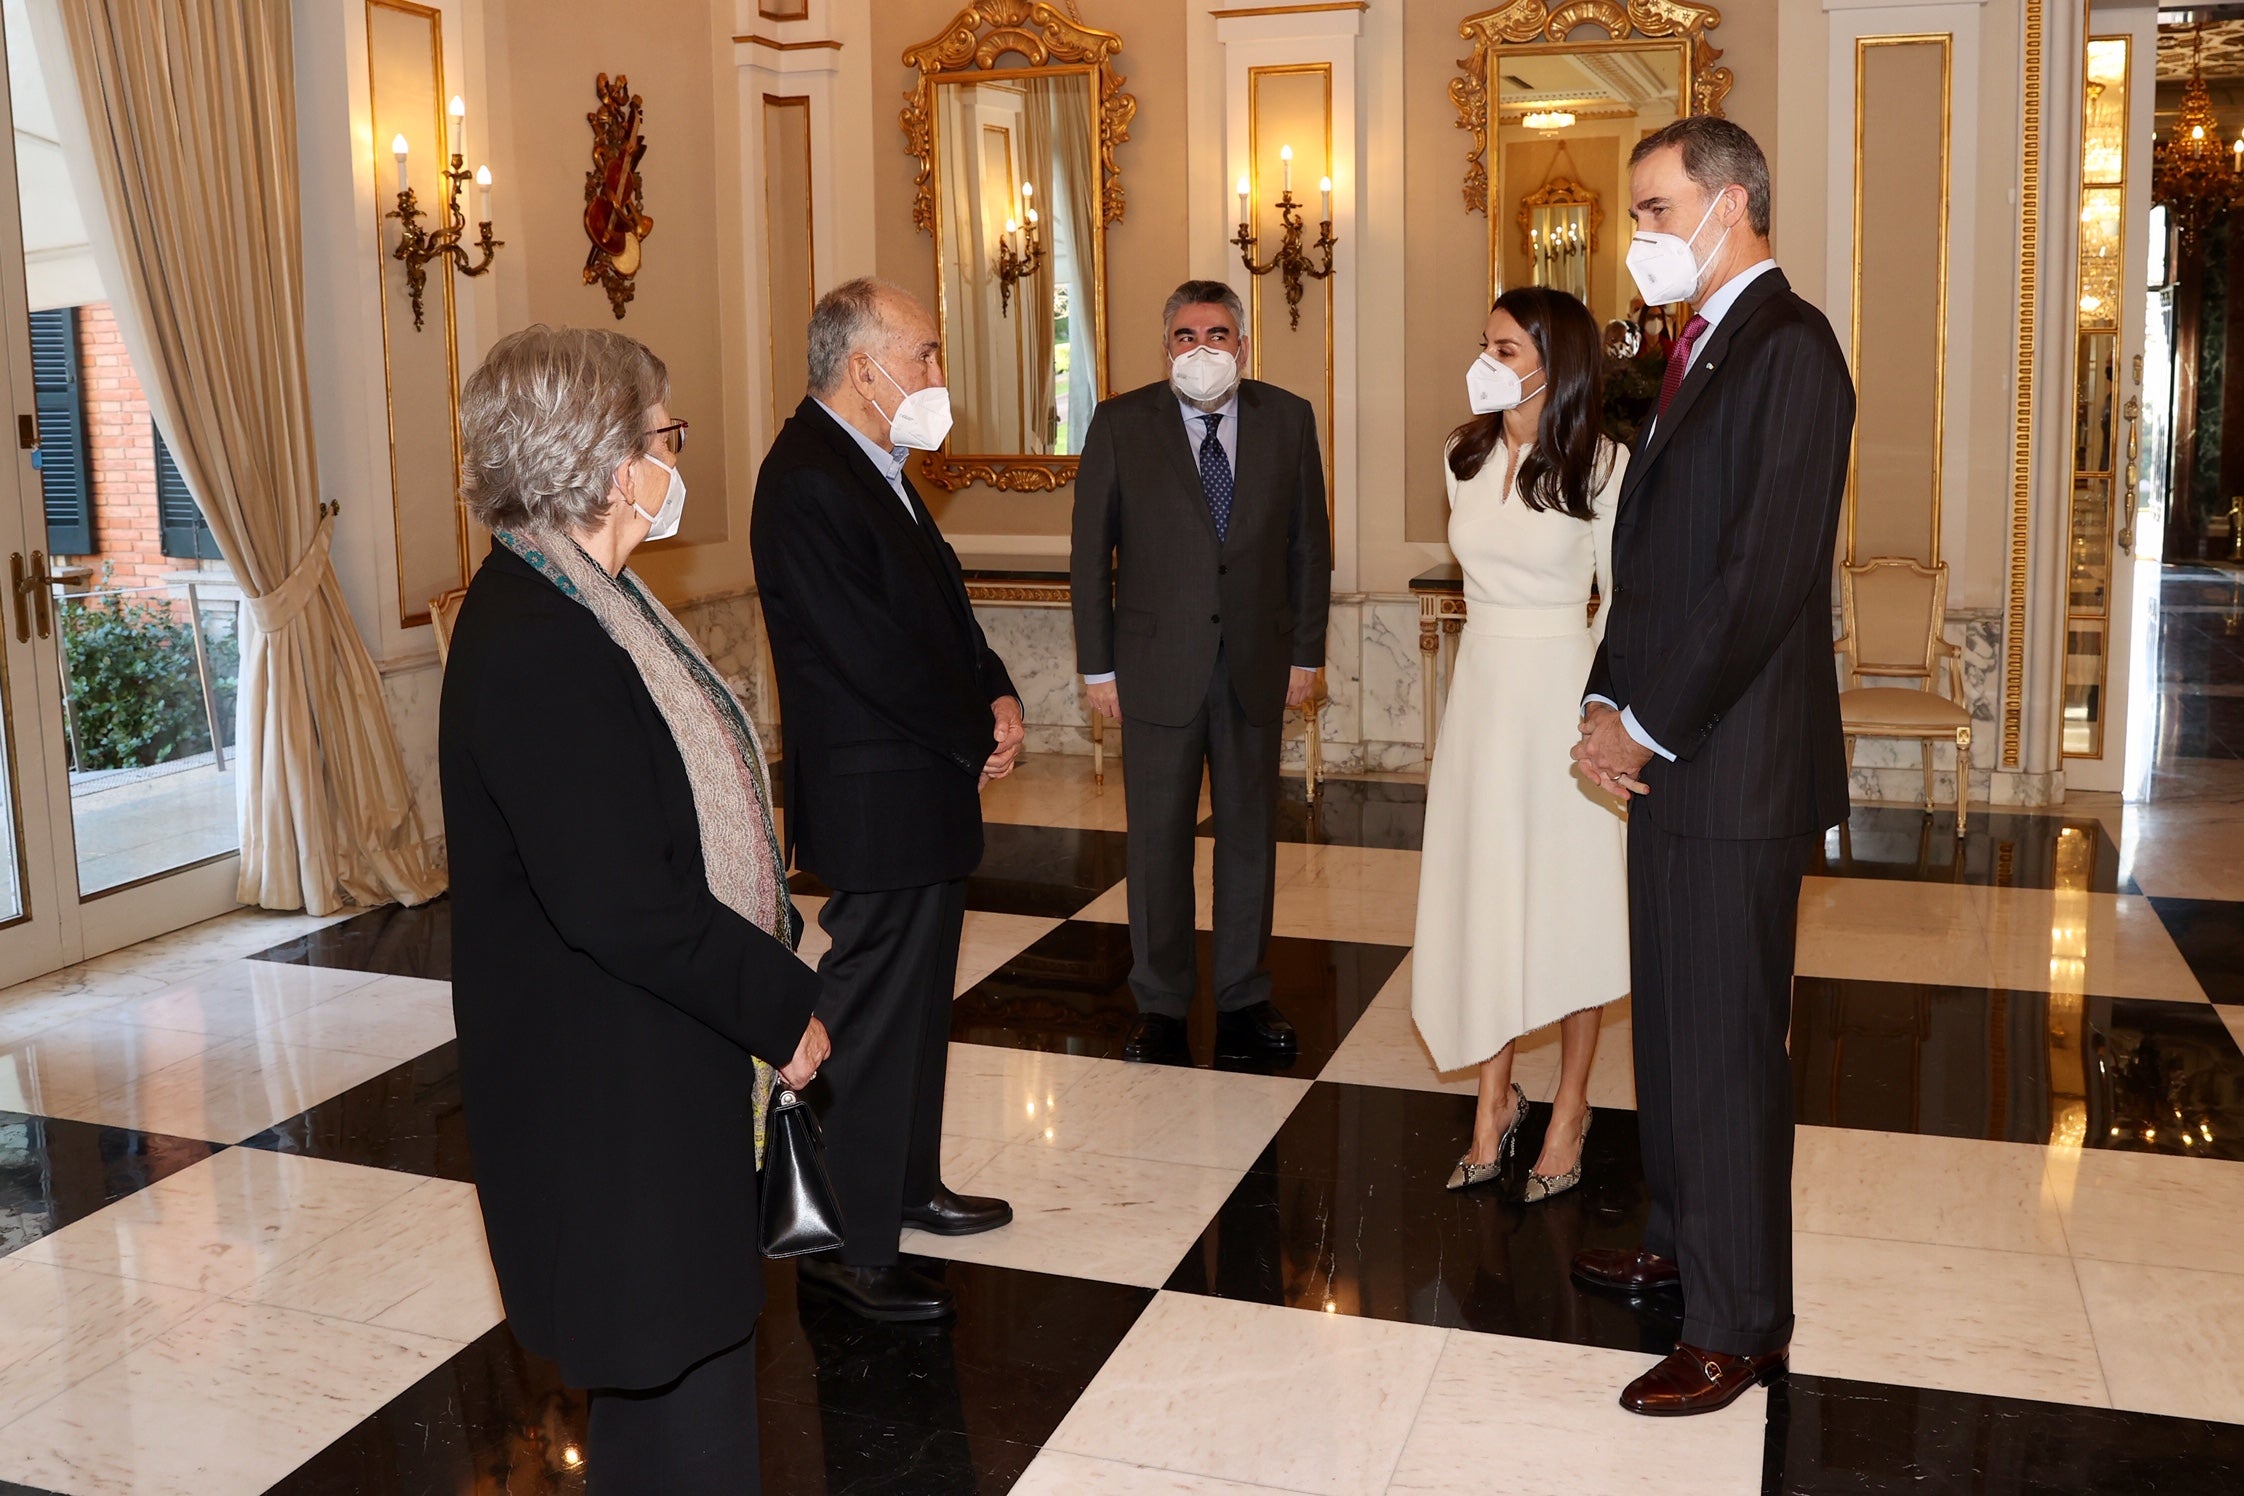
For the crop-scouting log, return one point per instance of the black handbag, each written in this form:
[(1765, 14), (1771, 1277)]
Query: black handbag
[(800, 1214)]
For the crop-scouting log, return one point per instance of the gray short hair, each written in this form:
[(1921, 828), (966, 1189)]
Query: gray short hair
[(547, 419), (1203, 293), (846, 320), (1716, 154)]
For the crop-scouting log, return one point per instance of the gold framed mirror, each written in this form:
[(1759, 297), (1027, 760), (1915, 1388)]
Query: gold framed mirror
[(1014, 124), (1559, 93)]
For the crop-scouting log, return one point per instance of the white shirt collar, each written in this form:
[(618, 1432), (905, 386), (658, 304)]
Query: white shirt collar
[(1717, 306), (889, 460)]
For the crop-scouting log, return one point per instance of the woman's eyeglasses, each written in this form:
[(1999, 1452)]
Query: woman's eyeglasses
[(675, 433)]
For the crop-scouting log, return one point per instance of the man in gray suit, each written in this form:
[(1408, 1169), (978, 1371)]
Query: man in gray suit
[(1202, 574)]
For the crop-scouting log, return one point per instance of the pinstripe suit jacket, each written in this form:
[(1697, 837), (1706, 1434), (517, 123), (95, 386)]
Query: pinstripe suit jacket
[(1720, 632)]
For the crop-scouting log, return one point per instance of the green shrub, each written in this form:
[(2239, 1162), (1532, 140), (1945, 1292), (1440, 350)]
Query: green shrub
[(134, 696)]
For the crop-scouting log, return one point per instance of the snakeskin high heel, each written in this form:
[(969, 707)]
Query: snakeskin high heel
[(1543, 1186), (1470, 1175)]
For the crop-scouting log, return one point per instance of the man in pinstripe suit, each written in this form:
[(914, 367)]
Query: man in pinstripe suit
[(1713, 706)]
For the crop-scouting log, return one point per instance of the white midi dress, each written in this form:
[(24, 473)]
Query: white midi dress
[(1522, 889)]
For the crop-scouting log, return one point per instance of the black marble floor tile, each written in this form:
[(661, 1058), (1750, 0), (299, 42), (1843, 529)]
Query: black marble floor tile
[(13, 1488), (393, 940), (1349, 813), (54, 1171), (2196, 726), (1050, 872), (2199, 648), (1070, 992), (846, 1408), (1998, 849), (408, 1118), (1345, 1212), (2210, 935), (1831, 1437), (2131, 1074)]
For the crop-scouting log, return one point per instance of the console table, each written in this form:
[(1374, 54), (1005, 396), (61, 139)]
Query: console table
[(1441, 618)]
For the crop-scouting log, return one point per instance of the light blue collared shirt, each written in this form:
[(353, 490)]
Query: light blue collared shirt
[(1712, 311), (1196, 435), (889, 460)]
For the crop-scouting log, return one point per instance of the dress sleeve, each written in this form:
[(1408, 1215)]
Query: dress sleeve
[(1602, 510)]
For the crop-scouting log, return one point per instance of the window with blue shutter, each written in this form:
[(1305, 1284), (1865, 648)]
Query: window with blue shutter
[(184, 534), (65, 467)]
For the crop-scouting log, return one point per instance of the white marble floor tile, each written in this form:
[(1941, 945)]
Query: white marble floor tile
[(185, 953), (1396, 994), (2182, 851), (61, 997), (2171, 1339), (2232, 1016), (990, 940), (64, 1071), (1213, 1118), (224, 1403), (1953, 1192), (1052, 789), (1056, 1474), (1253, 1392), (1962, 1318), (417, 1263), (238, 998), (1612, 1080), (1367, 894), (1874, 929), (2154, 1209), (2109, 945), (1384, 1049), (1008, 1095), (1120, 1220), (1537, 1418), (396, 1018), (234, 1090), (59, 1325), (224, 1225)]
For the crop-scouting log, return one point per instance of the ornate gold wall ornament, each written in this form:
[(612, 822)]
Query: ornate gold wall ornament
[(615, 217), (1043, 36), (2022, 416), (1017, 475), (1523, 22)]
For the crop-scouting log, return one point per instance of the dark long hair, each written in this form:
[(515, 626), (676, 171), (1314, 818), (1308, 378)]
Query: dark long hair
[(1560, 471)]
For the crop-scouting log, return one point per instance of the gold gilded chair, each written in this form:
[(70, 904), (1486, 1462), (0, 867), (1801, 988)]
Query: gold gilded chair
[(1891, 609), (444, 611)]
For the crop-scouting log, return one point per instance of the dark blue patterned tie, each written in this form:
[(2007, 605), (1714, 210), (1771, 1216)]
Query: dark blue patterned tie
[(1215, 476)]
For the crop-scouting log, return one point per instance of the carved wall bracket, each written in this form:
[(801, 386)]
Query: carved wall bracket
[(615, 217)]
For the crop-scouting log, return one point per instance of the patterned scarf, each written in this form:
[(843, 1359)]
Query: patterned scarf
[(724, 761)]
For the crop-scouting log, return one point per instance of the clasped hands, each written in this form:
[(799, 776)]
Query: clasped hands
[(1608, 755), (1011, 734)]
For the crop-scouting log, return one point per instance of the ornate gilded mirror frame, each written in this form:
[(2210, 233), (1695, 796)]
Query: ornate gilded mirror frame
[(976, 38), (1558, 192), (1542, 25)]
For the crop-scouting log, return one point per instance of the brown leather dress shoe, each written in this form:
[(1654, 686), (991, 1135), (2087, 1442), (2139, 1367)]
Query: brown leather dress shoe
[(1694, 1381), (1636, 1271)]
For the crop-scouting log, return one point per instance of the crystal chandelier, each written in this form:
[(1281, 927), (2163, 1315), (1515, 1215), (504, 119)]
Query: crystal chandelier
[(2192, 170)]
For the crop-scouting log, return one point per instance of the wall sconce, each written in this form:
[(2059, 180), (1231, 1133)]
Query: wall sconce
[(417, 246), (1291, 261), (1015, 264)]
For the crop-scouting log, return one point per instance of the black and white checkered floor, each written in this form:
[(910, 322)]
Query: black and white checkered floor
[(240, 1252)]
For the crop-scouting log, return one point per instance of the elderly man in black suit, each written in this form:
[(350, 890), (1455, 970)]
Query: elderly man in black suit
[(1202, 573), (1714, 709), (894, 712)]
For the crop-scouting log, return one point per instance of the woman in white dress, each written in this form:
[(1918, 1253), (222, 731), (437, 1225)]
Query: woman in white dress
[(1523, 899)]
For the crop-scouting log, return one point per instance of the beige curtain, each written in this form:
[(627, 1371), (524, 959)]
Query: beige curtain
[(1032, 298), (1075, 201), (189, 121)]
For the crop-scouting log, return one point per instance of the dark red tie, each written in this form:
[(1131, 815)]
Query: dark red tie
[(1679, 361)]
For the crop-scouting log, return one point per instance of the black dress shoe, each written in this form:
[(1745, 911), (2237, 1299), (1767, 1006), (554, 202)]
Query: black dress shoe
[(1694, 1381), (1157, 1039), (958, 1215), (896, 1293), (1624, 1271), (1257, 1030)]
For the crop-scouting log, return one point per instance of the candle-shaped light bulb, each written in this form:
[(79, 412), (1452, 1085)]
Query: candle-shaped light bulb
[(1032, 218), (1245, 188), (483, 190), (398, 150), (2197, 132), (1285, 162), (458, 109), (1324, 188), (1028, 190)]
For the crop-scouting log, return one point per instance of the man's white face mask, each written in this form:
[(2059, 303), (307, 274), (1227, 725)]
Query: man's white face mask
[(1666, 268), (1204, 374)]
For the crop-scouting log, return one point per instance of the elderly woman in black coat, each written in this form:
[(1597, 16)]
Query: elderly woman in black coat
[(622, 936)]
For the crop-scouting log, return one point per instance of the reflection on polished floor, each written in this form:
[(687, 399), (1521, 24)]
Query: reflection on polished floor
[(239, 1250)]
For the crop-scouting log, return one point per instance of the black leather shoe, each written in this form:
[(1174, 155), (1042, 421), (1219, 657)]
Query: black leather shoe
[(1624, 1271), (1694, 1381), (1157, 1039), (958, 1215), (1257, 1030), (897, 1294)]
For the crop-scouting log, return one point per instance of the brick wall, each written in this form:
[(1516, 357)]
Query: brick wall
[(120, 441)]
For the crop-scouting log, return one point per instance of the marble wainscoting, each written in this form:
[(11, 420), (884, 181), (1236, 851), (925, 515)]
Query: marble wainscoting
[(1892, 768), (729, 627), (411, 690)]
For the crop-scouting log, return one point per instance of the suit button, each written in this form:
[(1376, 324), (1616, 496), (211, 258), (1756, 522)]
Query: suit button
[(1223, 571), (1215, 618)]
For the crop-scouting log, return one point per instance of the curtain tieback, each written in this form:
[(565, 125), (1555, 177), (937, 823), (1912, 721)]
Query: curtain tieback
[(282, 605)]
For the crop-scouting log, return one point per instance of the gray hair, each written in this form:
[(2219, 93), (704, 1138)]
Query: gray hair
[(846, 320), (1716, 154), (548, 418), (1203, 293)]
